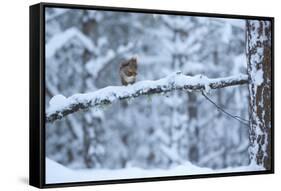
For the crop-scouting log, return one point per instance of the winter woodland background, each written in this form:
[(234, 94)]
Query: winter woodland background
[(83, 51)]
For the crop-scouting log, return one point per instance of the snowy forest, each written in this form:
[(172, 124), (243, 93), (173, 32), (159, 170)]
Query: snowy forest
[(179, 132)]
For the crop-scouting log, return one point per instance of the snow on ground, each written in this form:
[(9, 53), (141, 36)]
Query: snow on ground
[(56, 173)]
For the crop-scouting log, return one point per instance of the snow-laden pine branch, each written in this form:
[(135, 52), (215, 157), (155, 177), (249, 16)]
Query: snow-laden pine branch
[(60, 106)]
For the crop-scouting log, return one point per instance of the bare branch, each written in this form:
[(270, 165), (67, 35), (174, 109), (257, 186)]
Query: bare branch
[(65, 106)]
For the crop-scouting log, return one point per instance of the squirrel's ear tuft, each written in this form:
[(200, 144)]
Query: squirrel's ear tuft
[(135, 57)]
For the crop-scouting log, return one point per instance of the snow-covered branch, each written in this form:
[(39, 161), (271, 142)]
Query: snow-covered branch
[(61, 106)]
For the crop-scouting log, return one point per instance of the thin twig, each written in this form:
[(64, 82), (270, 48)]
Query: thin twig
[(241, 120)]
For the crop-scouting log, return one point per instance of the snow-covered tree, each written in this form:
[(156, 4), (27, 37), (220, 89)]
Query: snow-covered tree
[(167, 121), (259, 69)]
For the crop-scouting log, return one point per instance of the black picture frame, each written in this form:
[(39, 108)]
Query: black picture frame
[(37, 95)]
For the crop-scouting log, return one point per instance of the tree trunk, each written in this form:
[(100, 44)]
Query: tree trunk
[(258, 48), (192, 124)]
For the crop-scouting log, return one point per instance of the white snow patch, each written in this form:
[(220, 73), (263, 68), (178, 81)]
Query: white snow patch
[(57, 100), (94, 66), (258, 78), (227, 30), (240, 64), (56, 173), (61, 39)]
